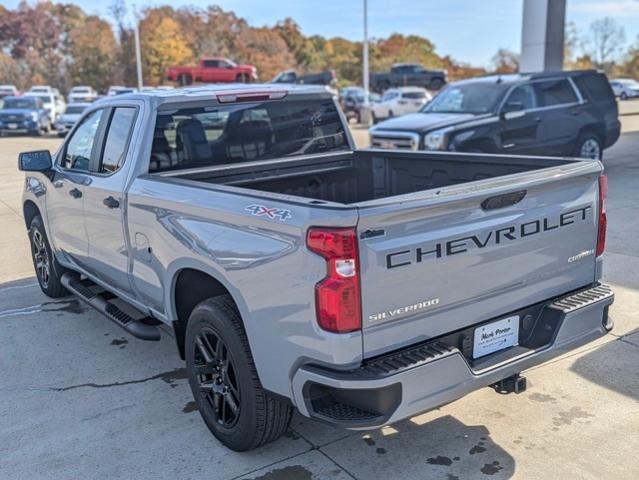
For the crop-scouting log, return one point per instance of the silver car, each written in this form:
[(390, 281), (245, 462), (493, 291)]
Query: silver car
[(625, 88), (67, 120)]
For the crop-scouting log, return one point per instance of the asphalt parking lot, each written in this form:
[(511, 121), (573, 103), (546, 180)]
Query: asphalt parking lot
[(80, 399)]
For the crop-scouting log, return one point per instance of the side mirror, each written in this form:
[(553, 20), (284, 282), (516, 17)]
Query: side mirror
[(36, 161)]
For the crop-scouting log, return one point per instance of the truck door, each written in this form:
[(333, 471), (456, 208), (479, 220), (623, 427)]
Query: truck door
[(65, 200), (104, 200)]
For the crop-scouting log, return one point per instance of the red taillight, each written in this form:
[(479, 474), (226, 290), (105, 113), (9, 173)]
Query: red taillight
[(337, 296), (603, 221)]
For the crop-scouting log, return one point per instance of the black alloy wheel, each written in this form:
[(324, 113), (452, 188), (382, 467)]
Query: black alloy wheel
[(216, 377)]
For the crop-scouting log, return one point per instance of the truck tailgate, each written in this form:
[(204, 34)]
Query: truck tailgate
[(473, 252)]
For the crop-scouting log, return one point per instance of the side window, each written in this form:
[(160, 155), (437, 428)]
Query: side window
[(77, 154), (211, 64), (554, 92), (523, 95), (117, 139)]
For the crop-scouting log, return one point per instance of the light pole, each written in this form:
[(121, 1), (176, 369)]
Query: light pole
[(365, 116), (138, 54)]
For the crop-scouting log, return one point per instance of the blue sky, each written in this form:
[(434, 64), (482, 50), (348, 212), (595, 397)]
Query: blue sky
[(469, 30)]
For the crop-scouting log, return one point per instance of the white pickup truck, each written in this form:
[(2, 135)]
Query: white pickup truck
[(359, 286)]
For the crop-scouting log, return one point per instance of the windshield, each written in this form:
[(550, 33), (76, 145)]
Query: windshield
[(236, 133), (475, 98), (74, 110), (45, 98), (21, 103), (629, 83)]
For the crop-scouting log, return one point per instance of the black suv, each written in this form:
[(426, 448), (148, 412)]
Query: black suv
[(550, 113)]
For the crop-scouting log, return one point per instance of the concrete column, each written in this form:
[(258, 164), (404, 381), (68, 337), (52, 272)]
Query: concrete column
[(542, 35)]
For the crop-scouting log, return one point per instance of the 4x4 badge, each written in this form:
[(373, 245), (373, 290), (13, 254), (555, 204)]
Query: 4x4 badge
[(270, 212)]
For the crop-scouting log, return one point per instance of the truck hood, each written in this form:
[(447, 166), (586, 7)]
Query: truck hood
[(423, 122)]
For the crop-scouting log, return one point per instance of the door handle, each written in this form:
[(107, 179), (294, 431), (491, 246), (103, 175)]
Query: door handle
[(537, 119), (111, 202), (75, 193), (58, 184)]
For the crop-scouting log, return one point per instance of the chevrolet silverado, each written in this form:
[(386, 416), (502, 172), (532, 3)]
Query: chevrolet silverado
[(360, 287)]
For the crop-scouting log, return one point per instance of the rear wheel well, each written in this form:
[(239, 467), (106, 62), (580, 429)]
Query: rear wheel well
[(597, 130), (30, 211), (192, 287)]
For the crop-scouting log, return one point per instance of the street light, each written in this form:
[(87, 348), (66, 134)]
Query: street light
[(365, 111), (138, 54)]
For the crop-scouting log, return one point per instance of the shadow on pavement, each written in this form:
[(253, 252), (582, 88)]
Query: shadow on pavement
[(442, 447), (613, 365)]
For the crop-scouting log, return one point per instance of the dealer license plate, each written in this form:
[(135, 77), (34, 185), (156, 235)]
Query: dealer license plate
[(496, 336)]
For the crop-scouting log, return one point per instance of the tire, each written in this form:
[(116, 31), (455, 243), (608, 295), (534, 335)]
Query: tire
[(48, 270), (215, 327), (184, 80), (390, 114), (623, 96), (436, 84), (242, 78), (589, 146), (374, 118)]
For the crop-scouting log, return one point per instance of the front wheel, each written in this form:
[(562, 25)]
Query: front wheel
[(436, 84), (224, 381), (48, 270), (589, 146), (623, 96)]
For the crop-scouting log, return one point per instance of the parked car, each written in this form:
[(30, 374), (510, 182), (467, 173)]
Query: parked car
[(24, 114), (8, 90), (43, 89), (625, 88), (361, 287), (408, 74), (67, 120), (82, 94), (552, 113), (121, 90), (351, 100), (327, 77), (400, 101), (51, 104), (212, 70)]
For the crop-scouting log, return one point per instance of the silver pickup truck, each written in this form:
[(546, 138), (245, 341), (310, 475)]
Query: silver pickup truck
[(361, 287)]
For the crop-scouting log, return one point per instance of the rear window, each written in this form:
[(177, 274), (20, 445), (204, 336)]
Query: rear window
[(414, 95), (595, 87), (554, 92), (236, 133)]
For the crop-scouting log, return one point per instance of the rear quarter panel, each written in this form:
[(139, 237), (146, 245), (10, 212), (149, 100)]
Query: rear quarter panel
[(262, 261)]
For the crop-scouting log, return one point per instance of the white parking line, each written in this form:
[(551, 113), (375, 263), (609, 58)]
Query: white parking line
[(21, 311)]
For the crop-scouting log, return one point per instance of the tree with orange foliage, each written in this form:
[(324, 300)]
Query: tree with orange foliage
[(162, 43)]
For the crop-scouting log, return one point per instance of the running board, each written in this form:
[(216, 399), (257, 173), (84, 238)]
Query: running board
[(137, 328)]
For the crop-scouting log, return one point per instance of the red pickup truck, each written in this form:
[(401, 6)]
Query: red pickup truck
[(212, 70)]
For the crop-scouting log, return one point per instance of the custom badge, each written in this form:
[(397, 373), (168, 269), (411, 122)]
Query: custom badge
[(270, 212)]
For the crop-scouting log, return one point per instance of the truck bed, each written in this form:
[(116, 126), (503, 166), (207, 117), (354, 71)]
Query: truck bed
[(365, 175)]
